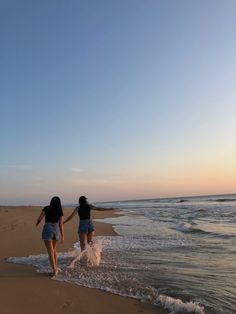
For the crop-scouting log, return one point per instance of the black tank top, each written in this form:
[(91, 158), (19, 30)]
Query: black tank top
[(84, 211), (52, 215)]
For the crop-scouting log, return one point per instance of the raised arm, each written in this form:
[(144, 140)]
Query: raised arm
[(99, 208), (71, 215), (42, 214)]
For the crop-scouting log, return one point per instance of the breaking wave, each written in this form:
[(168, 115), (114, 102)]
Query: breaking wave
[(103, 266)]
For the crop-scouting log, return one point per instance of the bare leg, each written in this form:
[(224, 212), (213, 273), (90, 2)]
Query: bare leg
[(90, 237), (82, 240), (54, 243), (49, 246)]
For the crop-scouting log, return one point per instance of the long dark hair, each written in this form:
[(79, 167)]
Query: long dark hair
[(55, 203), (83, 201)]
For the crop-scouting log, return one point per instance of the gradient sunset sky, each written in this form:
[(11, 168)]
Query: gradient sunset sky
[(122, 99)]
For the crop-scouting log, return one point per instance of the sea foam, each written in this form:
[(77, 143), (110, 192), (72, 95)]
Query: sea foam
[(103, 266), (92, 255), (178, 306)]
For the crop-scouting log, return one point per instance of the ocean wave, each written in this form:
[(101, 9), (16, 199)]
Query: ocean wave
[(184, 227), (222, 200), (178, 306), (110, 277), (191, 227), (188, 227)]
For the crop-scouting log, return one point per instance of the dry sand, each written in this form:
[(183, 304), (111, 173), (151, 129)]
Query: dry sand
[(24, 291)]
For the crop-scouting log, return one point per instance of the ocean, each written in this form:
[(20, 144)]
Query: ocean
[(177, 253)]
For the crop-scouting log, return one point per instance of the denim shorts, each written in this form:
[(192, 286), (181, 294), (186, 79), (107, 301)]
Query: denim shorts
[(86, 226), (51, 231)]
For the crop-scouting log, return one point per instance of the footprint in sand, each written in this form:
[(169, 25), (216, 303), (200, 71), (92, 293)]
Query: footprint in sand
[(65, 304)]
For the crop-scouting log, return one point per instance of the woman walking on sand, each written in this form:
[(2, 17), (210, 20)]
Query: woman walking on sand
[(52, 229), (86, 229)]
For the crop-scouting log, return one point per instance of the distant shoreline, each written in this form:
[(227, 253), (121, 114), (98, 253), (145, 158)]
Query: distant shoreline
[(125, 200)]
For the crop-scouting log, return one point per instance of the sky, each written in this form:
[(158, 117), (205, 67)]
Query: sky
[(116, 100)]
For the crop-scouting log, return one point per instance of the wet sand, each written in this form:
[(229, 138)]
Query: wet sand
[(24, 291)]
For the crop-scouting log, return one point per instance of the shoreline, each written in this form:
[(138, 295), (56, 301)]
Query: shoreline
[(34, 292)]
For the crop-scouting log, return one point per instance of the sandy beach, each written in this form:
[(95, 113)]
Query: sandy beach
[(24, 291)]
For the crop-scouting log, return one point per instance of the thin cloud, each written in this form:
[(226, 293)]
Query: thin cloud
[(18, 167), (77, 170)]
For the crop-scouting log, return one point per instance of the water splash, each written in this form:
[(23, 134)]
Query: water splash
[(113, 273), (92, 255)]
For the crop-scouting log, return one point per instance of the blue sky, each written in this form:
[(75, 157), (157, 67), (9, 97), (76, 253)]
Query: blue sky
[(116, 99)]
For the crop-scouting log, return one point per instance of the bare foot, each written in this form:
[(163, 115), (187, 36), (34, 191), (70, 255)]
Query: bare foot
[(55, 273)]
